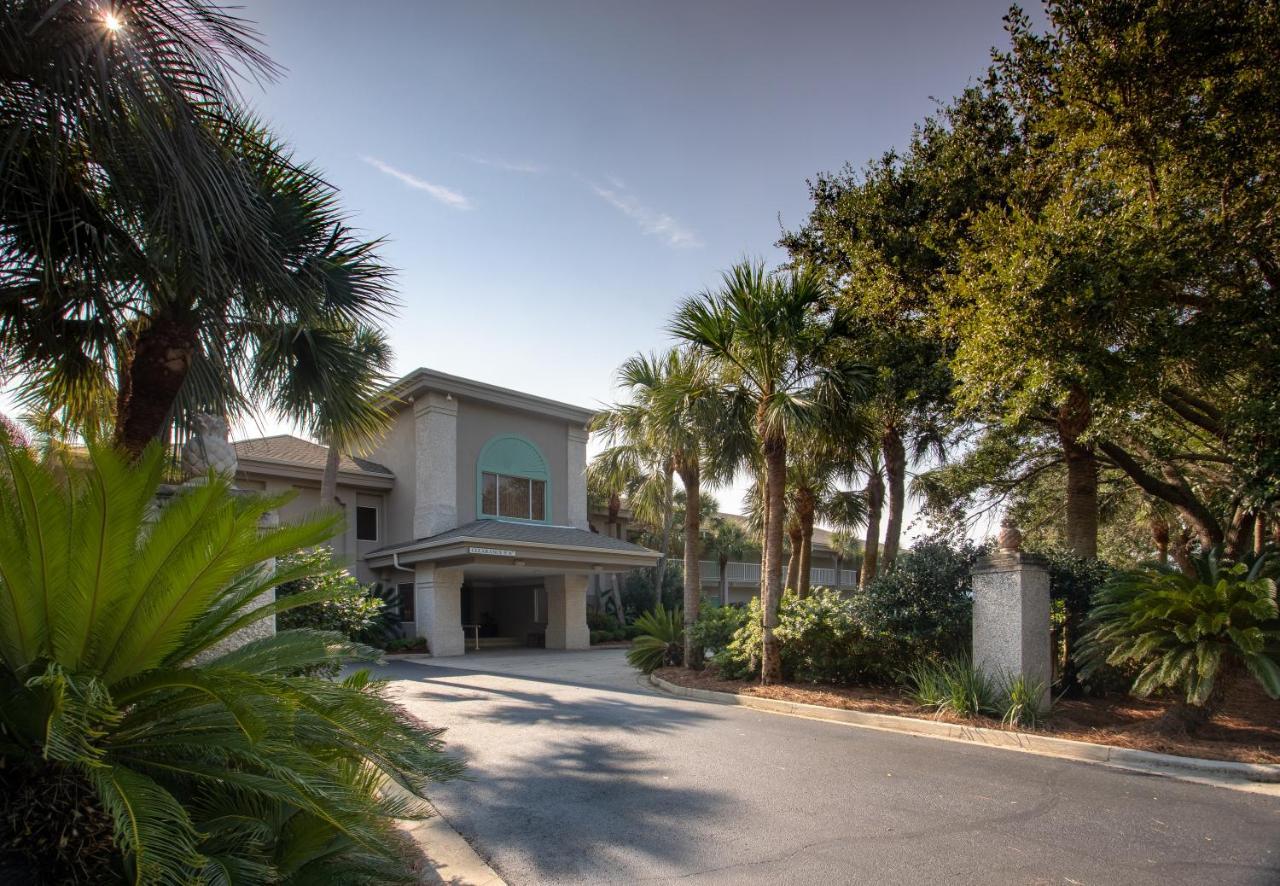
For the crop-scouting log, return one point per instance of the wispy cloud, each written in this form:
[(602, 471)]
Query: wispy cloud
[(651, 221), (507, 165), (447, 196)]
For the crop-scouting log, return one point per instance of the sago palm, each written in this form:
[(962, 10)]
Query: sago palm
[(116, 677), (1190, 633)]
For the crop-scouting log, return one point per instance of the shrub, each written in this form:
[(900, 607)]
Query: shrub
[(602, 621), (1024, 702), (1188, 633), (952, 686), (600, 637), (717, 624), (406, 644), (1073, 582), (924, 607), (821, 641), (637, 590), (660, 642), (345, 606), (121, 700), (630, 632)]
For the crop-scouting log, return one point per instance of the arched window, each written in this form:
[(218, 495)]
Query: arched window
[(512, 481)]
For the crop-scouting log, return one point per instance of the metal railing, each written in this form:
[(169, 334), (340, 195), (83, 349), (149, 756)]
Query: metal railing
[(749, 573)]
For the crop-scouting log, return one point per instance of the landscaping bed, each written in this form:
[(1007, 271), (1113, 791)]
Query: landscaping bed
[(1246, 730)]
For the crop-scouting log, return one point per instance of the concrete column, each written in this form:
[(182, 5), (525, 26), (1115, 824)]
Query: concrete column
[(437, 599), (1011, 618), (567, 612), (576, 486), (435, 504)]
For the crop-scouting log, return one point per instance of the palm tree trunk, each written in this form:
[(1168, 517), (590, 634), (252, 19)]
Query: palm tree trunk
[(795, 538), (1082, 475), (162, 356), (724, 581), (329, 480), (1160, 535), (775, 460), (875, 504), (690, 477), (1259, 532), (660, 573), (839, 569), (806, 561), (895, 469)]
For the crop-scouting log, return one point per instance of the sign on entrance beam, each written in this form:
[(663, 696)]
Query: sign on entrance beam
[(492, 552)]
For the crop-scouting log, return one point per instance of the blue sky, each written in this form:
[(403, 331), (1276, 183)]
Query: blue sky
[(553, 177)]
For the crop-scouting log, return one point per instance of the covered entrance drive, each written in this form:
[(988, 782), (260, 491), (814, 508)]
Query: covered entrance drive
[(525, 582)]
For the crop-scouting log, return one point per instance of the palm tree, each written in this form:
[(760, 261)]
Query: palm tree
[(847, 547), (696, 426), (873, 495), (775, 350), (205, 235), (726, 540), (828, 455), (332, 381)]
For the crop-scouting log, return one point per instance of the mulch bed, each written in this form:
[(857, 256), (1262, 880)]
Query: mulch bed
[(1246, 730)]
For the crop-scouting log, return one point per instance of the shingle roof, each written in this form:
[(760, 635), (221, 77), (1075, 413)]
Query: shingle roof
[(293, 450), (535, 533)]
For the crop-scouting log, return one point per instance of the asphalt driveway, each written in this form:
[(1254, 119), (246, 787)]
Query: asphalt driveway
[(582, 775)]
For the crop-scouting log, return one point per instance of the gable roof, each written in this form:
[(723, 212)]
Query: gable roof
[(287, 449), (424, 379)]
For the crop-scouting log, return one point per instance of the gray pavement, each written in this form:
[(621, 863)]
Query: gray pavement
[(581, 775)]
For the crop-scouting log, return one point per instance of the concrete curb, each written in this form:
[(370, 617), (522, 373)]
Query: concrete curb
[(449, 857), (1224, 773)]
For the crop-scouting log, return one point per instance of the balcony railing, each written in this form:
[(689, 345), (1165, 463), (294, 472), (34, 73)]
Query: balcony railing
[(749, 573)]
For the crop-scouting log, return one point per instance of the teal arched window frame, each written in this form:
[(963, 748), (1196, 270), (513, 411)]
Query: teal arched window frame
[(512, 455)]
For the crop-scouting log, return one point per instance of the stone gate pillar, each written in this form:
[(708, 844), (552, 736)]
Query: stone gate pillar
[(1011, 629)]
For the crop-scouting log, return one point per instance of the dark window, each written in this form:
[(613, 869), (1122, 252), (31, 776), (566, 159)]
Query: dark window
[(518, 497), (404, 593), (366, 524)]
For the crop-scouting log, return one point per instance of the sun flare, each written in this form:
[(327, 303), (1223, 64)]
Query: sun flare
[(112, 22)]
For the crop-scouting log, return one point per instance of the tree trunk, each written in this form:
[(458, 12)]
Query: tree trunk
[(875, 504), (839, 569), (1239, 533), (895, 469), (1160, 535), (724, 581), (775, 460), (162, 356), (806, 560), (690, 477), (660, 573), (1182, 552), (1259, 532), (329, 480), (1073, 419), (795, 538)]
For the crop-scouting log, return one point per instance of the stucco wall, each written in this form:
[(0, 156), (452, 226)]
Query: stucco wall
[(478, 423), (396, 452)]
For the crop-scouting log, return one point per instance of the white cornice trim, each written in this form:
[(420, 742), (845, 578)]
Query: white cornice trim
[(422, 380)]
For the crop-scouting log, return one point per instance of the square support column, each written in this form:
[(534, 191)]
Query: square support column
[(567, 612), (437, 597), (1011, 618)]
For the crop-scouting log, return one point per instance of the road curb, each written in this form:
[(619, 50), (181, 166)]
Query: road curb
[(1224, 773), (449, 855)]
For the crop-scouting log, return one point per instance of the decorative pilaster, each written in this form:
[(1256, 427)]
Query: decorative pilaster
[(435, 506), (576, 485)]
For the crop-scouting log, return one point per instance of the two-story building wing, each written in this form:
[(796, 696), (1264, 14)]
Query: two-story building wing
[(474, 506)]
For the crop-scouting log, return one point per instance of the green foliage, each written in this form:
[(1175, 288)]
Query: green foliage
[(952, 686), (821, 639), (716, 625), (637, 590), (115, 676), (660, 642), (1024, 702), (406, 644), (345, 606), (925, 605), (1186, 631)]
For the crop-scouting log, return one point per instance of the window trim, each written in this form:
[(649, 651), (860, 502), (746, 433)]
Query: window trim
[(377, 522), (497, 493)]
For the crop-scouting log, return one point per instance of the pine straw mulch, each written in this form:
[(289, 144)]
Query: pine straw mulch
[(1246, 730)]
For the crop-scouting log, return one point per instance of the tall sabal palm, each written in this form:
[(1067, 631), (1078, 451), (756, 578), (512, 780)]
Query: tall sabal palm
[(847, 548), (332, 381), (873, 495), (907, 438), (726, 540), (772, 339), (690, 419)]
